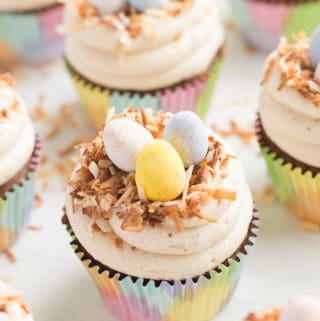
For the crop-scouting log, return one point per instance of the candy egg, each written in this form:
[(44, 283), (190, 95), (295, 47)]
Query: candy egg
[(108, 6), (317, 74), (302, 309), (314, 50), (123, 141), (160, 171), (186, 132), (143, 5)]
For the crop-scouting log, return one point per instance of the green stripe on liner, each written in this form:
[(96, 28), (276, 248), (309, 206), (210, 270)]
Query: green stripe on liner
[(204, 100), (304, 17)]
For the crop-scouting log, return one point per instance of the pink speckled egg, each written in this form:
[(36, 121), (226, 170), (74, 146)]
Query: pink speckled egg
[(302, 309)]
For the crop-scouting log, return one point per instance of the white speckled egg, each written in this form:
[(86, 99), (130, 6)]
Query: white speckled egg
[(188, 135), (123, 141), (302, 309), (108, 6), (143, 5), (314, 50)]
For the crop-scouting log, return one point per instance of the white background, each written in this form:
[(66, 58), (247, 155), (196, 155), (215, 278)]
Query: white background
[(284, 263)]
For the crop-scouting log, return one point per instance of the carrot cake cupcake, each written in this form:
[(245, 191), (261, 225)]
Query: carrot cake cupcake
[(155, 54), (263, 22), (289, 124), (27, 31), (19, 157), (161, 216)]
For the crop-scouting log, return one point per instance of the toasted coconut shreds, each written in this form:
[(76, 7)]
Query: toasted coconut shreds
[(10, 298), (128, 20), (269, 315), (7, 80), (101, 190), (292, 60)]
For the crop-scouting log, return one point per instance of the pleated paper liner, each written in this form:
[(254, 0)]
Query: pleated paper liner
[(194, 299), (296, 184), (30, 36), (16, 199), (194, 95), (263, 22)]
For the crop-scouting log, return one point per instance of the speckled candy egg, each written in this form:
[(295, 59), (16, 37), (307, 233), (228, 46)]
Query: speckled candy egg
[(123, 141), (160, 171), (108, 6), (302, 309), (187, 133), (143, 5), (314, 50)]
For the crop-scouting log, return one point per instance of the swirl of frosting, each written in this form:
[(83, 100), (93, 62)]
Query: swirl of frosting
[(165, 49), (289, 110), (159, 252), (17, 134), (12, 306), (18, 5)]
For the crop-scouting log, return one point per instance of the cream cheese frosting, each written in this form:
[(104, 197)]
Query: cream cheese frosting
[(289, 117), (17, 134), (19, 5), (157, 251), (12, 307), (167, 50)]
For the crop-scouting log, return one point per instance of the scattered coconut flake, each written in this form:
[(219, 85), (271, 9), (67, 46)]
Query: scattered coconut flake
[(10, 256)]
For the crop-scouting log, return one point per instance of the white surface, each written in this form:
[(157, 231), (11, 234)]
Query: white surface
[(284, 263)]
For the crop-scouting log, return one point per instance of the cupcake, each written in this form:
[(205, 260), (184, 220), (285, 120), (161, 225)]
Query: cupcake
[(288, 126), (12, 306), (153, 54), (300, 309), (27, 31), (19, 157), (263, 22), (161, 216)]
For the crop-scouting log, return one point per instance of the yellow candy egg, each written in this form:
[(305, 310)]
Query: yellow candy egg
[(160, 171)]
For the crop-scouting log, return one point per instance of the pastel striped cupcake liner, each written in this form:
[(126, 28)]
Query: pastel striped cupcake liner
[(296, 184), (194, 299), (263, 22), (30, 36), (194, 95), (16, 205)]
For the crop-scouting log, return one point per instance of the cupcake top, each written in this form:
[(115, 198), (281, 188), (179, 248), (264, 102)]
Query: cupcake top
[(142, 50), (22, 5), (16, 131), (12, 306), (290, 100), (300, 309), (170, 206)]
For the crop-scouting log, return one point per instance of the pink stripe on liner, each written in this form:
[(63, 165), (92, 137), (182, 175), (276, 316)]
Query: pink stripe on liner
[(269, 17), (49, 20), (182, 97), (125, 310)]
